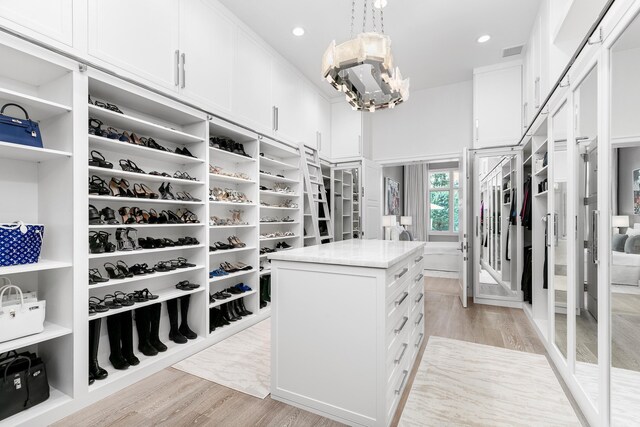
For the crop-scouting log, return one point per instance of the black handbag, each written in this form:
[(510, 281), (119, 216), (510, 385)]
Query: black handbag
[(23, 383)]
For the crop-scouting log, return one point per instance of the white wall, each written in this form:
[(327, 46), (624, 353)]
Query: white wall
[(435, 121)]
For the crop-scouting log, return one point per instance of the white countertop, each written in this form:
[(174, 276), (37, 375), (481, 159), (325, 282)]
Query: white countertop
[(356, 252)]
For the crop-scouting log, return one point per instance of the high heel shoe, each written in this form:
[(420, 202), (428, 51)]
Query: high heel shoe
[(153, 216), (108, 246), (113, 271), (116, 190), (165, 192), (127, 217), (96, 277), (95, 243), (98, 160), (132, 236), (150, 194), (123, 242), (109, 216), (94, 216), (98, 186), (124, 269), (125, 191)]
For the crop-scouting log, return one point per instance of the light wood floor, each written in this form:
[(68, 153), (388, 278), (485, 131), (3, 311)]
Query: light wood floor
[(174, 398)]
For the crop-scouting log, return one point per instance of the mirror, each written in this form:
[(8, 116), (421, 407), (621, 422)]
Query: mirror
[(624, 259)]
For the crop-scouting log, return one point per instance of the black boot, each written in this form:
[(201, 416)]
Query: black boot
[(224, 308), (268, 290), (174, 333), (232, 311), (95, 371), (243, 308), (236, 307), (114, 328), (184, 313), (126, 323), (154, 333), (143, 325)]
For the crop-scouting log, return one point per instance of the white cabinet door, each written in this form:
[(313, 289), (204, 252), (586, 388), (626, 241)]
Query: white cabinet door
[(140, 37), (497, 105), (371, 201), (311, 116), (324, 139), (51, 19), (206, 41), (286, 89), (251, 95), (346, 131)]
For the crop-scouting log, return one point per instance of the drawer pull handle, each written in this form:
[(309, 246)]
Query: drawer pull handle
[(402, 273), (417, 260), (417, 300), (401, 300), (420, 318), (404, 350), (404, 322), (405, 373), (420, 341), (419, 277)]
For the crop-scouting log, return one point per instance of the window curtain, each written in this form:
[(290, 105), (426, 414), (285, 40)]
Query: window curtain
[(415, 199)]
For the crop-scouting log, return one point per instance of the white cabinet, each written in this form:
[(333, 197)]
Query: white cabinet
[(311, 116), (286, 89), (346, 131), (324, 127), (251, 94), (206, 48), (140, 37), (497, 104), (44, 20)]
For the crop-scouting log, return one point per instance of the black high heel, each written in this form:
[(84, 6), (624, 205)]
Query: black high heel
[(123, 242), (98, 186), (109, 216), (98, 160), (96, 245), (165, 192), (124, 269), (127, 216), (108, 246), (96, 277), (94, 216), (113, 271), (115, 189), (132, 236), (95, 127)]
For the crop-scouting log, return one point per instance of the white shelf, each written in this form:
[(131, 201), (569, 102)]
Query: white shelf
[(270, 239), (231, 251), (143, 226), (265, 272), (218, 303), (24, 153), (218, 177), (124, 148), (42, 265), (277, 164), (238, 158), (231, 275), (141, 127), (141, 200), (163, 295), (542, 148), (544, 193), (275, 193), (278, 208), (542, 172), (220, 227), (51, 331), (133, 176), (279, 223), (274, 178), (143, 278), (55, 400), (39, 109), (527, 160), (249, 205), (143, 251)]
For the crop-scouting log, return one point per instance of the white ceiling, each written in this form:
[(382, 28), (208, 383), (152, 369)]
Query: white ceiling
[(434, 41)]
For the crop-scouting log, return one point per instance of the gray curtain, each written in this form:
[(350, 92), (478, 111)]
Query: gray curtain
[(415, 199)]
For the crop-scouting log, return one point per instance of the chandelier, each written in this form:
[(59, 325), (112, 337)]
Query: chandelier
[(363, 67)]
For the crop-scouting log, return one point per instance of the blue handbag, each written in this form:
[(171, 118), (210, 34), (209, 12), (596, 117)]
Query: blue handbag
[(19, 131), (20, 243)]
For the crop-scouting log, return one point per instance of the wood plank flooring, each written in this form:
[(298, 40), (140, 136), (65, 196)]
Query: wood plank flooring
[(174, 398)]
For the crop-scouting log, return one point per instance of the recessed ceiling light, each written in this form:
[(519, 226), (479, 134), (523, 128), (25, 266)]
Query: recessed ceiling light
[(298, 31), (484, 39), (380, 4)]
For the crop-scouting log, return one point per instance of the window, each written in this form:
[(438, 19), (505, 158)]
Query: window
[(443, 201)]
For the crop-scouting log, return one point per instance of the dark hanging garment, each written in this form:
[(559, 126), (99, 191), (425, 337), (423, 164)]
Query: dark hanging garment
[(513, 213), (506, 250), (525, 283), (525, 212), (545, 267)]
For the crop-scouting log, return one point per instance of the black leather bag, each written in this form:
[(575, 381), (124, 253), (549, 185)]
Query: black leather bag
[(23, 383)]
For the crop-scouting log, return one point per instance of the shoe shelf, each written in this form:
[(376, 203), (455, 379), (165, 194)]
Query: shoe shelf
[(232, 276), (276, 164), (124, 148), (265, 272), (144, 251), (276, 179), (220, 302), (279, 194), (142, 200), (279, 208), (51, 331), (30, 154), (142, 127), (230, 227), (38, 108), (141, 226), (42, 265), (233, 157), (145, 277), (163, 295), (249, 205), (271, 239), (280, 223), (55, 400), (231, 251), (224, 178), (136, 177)]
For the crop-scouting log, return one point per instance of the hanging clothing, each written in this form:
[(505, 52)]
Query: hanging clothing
[(525, 212), (526, 282), (513, 213), (507, 256), (545, 269)]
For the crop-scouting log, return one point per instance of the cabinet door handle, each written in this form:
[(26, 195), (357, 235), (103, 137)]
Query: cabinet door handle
[(184, 72), (402, 273), (404, 350), (420, 258), (477, 130), (402, 298), (405, 373), (273, 118), (277, 118), (176, 60), (596, 219), (319, 141), (360, 145), (417, 300), (418, 277), (420, 318), (401, 327), (419, 341)]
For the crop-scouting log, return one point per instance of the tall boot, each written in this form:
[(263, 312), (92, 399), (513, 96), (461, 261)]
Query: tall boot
[(184, 313), (143, 326), (155, 312), (232, 311), (268, 290), (114, 328), (126, 323), (174, 333), (225, 313), (95, 371), (243, 308)]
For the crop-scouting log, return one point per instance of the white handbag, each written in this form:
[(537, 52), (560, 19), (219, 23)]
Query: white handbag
[(13, 297), (20, 319)]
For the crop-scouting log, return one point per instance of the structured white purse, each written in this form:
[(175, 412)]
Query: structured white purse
[(13, 297), (19, 318)]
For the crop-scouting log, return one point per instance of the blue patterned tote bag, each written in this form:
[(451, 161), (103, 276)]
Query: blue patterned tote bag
[(20, 243)]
